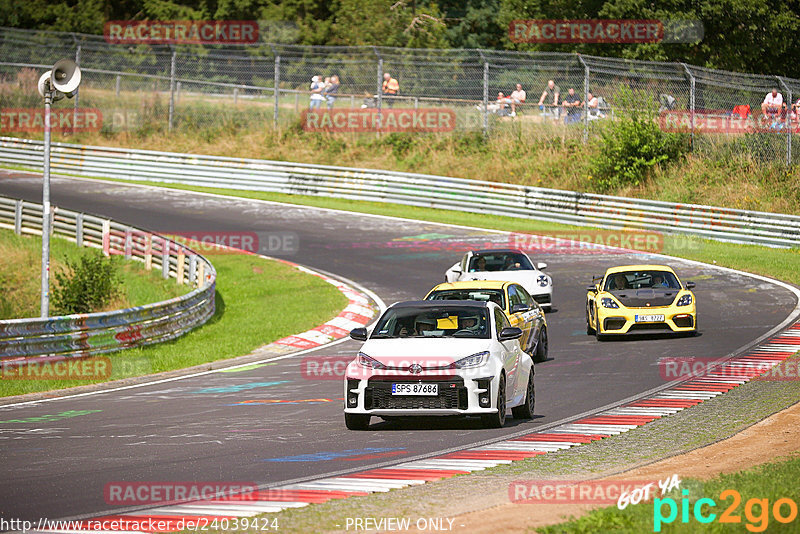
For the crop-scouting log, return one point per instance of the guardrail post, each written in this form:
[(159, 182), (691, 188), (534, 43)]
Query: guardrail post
[(276, 90), (585, 99), (148, 251), (165, 246), (485, 94), (192, 268), (178, 92), (235, 95), (79, 230), (106, 238), (180, 270), (77, 94), (379, 86), (128, 244), (788, 123), (117, 84), (201, 274), (691, 101), (171, 89), (18, 217)]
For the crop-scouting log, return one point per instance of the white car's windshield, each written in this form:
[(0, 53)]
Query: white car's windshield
[(499, 261), (447, 321), (495, 295), (642, 280)]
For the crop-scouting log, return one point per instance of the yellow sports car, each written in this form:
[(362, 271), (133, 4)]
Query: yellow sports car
[(519, 306), (639, 299)]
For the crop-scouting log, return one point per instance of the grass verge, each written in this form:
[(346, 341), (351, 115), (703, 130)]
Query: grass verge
[(249, 291), (20, 276), (751, 499)]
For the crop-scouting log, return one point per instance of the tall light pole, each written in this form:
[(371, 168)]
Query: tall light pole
[(63, 80)]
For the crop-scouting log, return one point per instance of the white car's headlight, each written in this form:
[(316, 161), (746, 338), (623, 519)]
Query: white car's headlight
[(543, 280), (608, 303), (371, 363), (475, 360), (685, 300)]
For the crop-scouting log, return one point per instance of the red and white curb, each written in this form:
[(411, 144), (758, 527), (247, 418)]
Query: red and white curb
[(357, 313), (726, 376)]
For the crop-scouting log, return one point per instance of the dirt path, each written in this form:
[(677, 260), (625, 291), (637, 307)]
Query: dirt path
[(778, 435)]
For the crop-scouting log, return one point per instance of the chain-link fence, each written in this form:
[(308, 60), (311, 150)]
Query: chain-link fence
[(212, 87)]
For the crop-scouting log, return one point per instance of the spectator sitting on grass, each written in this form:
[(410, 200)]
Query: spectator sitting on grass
[(593, 107), (773, 103), (500, 106), (517, 97)]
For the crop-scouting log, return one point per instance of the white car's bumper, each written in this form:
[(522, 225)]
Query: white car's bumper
[(460, 392)]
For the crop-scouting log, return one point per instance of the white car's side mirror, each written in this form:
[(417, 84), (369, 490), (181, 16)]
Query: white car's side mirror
[(541, 265)]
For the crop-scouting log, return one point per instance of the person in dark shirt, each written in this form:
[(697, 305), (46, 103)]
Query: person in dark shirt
[(331, 89), (572, 107)]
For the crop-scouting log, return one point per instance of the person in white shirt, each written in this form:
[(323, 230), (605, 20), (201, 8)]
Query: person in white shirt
[(517, 97), (593, 105), (772, 103)]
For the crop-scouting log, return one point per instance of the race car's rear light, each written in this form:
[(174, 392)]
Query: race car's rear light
[(613, 323), (683, 321)]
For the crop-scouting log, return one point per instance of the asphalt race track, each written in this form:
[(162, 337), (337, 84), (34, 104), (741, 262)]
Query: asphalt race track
[(226, 426)]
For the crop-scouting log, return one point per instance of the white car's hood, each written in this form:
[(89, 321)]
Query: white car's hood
[(409, 350), (522, 277)]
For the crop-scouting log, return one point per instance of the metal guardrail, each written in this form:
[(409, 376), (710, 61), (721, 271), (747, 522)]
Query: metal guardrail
[(474, 196), (81, 335)]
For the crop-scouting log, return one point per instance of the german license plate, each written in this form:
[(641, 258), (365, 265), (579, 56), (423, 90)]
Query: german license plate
[(649, 318), (415, 389)]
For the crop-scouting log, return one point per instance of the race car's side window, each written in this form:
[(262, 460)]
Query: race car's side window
[(500, 321), (513, 297)]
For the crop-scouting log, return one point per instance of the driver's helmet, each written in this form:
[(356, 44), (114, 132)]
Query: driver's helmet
[(426, 321), (469, 322)]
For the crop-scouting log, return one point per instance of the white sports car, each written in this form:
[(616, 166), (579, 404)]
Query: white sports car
[(510, 265), (439, 358)]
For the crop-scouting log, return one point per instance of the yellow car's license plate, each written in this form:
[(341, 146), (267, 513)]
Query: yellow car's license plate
[(649, 318)]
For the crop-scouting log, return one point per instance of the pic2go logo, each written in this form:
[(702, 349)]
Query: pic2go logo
[(756, 511)]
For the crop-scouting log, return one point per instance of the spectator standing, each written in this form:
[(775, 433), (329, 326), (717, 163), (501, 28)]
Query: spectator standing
[(331, 90), (317, 87), (572, 104), (773, 103), (550, 94), (391, 87), (517, 97)]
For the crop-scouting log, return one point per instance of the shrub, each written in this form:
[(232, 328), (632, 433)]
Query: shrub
[(86, 286), (628, 148)]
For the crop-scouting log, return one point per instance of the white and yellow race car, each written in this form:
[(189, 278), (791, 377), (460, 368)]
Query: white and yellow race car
[(640, 299), (519, 306)]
